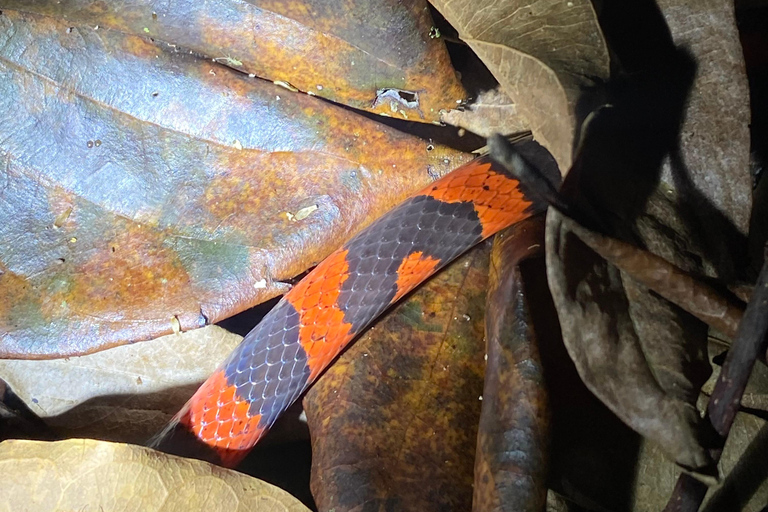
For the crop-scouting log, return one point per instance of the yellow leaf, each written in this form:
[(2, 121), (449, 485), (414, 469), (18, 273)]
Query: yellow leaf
[(84, 474)]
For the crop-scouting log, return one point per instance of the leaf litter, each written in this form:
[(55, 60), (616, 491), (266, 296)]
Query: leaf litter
[(658, 198)]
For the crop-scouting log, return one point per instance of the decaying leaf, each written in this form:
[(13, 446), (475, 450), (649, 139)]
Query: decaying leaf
[(720, 311), (512, 457), (123, 394), (83, 474), (492, 112), (542, 54), (371, 55), (142, 184), (394, 421)]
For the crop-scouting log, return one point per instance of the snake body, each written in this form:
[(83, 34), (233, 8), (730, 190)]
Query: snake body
[(317, 318)]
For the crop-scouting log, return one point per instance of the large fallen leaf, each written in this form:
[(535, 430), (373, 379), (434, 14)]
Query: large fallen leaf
[(394, 421), (123, 394), (145, 189), (512, 456), (82, 474), (542, 53), (372, 55), (685, 74)]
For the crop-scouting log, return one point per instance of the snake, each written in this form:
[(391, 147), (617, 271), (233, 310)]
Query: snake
[(312, 323)]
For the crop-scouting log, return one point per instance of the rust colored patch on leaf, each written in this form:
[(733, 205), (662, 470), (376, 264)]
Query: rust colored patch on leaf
[(401, 406), (342, 51)]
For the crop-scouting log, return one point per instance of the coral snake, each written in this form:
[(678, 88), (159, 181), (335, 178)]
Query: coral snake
[(281, 357)]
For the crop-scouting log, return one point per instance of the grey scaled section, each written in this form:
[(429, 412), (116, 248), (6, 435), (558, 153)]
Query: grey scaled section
[(269, 367), (420, 224)]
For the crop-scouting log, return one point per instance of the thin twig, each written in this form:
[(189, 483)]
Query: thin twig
[(687, 291)]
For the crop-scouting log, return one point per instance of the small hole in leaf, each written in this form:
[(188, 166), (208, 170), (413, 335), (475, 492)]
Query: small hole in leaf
[(408, 97)]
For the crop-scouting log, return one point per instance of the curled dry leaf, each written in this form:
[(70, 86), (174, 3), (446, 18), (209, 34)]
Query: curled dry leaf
[(83, 474), (639, 354), (146, 189), (123, 394), (542, 53), (371, 55), (513, 437), (719, 311), (394, 421)]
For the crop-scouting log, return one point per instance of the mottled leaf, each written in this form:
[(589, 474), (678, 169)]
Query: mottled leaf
[(377, 56), (542, 53), (513, 436), (145, 190), (635, 351), (82, 474), (123, 394), (394, 421), (693, 294)]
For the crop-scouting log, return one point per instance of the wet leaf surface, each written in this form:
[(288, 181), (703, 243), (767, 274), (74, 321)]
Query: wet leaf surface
[(82, 474), (399, 410), (146, 190), (376, 56), (514, 433), (542, 53)]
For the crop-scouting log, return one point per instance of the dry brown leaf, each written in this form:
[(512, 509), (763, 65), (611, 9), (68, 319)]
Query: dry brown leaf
[(83, 474), (513, 437), (636, 352), (744, 487), (541, 53), (122, 394), (714, 138)]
